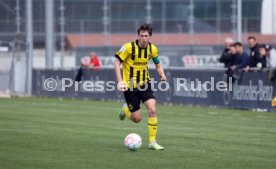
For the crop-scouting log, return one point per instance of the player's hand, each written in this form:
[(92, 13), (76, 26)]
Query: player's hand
[(122, 86), (163, 78), (246, 69), (233, 67)]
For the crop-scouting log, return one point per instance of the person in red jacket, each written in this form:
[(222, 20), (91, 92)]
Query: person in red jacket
[(88, 62), (91, 62)]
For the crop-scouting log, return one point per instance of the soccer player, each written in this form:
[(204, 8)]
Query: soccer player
[(134, 56)]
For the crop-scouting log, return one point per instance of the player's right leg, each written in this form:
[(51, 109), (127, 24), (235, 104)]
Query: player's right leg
[(148, 99), (134, 116)]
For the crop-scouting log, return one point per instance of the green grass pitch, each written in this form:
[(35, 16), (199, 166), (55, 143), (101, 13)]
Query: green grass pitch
[(39, 133)]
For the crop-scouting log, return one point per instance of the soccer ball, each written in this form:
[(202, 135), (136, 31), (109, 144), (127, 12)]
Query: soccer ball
[(133, 141)]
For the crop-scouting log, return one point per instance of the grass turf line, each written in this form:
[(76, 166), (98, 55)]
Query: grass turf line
[(51, 133)]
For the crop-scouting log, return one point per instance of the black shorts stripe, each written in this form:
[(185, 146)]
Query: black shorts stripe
[(118, 57), (138, 77), (144, 75), (139, 52)]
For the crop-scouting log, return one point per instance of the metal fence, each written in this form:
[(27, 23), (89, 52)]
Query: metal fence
[(121, 16), (12, 68)]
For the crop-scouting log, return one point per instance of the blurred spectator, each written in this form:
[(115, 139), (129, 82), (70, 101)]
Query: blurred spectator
[(254, 54), (239, 61), (91, 62), (225, 56), (263, 55), (232, 56), (88, 62), (270, 54), (231, 61), (241, 57)]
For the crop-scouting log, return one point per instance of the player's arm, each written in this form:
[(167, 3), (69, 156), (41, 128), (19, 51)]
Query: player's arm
[(157, 63), (117, 64), (121, 86), (121, 55), (160, 71)]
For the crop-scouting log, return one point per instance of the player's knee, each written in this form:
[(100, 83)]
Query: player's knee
[(136, 116), (152, 112), (136, 119)]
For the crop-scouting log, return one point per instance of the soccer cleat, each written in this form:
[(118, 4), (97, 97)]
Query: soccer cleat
[(122, 114), (155, 146)]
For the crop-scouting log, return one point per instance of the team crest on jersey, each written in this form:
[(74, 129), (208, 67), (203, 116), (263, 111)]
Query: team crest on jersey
[(130, 107)]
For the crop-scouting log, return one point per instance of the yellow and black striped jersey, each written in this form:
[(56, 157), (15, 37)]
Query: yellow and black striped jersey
[(135, 62)]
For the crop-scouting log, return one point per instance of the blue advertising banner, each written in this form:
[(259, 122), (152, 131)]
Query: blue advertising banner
[(252, 90)]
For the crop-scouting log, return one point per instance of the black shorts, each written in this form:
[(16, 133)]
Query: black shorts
[(134, 97)]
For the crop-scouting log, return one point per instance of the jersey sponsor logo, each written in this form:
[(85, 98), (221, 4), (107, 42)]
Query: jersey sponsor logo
[(140, 63)]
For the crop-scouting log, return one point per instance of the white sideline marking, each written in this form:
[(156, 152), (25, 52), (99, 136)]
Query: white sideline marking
[(213, 113), (61, 129), (65, 105)]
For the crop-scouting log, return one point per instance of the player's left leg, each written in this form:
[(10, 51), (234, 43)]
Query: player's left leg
[(131, 109), (152, 124), (134, 116), (124, 112)]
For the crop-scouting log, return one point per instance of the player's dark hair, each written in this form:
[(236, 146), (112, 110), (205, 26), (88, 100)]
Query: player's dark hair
[(238, 44), (262, 46), (265, 46), (251, 37), (145, 27)]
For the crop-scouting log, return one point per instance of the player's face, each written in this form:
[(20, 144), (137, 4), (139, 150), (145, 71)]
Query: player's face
[(143, 38)]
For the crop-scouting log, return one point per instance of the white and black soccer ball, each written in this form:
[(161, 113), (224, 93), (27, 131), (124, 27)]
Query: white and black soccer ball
[(133, 141)]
